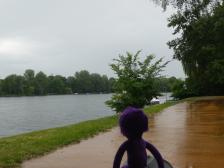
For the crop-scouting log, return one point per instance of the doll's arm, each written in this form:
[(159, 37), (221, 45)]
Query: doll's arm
[(156, 154), (119, 155)]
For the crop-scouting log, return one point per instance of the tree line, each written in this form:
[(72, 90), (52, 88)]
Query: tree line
[(30, 84)]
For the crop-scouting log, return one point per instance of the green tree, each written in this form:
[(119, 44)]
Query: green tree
[(13, 85), (41, 83), (1, 93), (166, 84), (30, 84), (136, 81), (70, 83), (111, 85), (105, 83), (50, 89), (96, 82), (179, 90), (29, 74), (57, 85), (200, 46), (29, 87), (185, 4), (83, 82)]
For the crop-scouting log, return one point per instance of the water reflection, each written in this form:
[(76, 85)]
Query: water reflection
[(191, 134)]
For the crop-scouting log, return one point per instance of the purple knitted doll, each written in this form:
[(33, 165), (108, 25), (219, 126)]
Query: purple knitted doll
[(133, 122)]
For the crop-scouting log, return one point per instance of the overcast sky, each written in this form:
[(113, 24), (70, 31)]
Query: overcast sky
[(65, 36)]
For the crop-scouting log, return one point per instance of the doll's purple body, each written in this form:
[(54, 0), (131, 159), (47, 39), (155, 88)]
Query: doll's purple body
[(133, 122), (137, 156)]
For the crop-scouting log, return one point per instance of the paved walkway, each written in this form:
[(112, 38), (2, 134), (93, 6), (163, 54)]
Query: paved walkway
[(189, 135)]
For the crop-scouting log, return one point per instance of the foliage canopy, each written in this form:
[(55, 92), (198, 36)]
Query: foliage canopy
[(136, 81), (200, 46), (40, 84)]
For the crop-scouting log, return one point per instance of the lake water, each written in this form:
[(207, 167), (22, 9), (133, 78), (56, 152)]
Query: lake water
[(26, 114)]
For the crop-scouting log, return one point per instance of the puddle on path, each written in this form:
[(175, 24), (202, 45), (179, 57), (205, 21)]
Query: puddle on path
[(189, 135)]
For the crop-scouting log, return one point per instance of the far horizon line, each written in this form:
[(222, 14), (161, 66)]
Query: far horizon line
[(66, 76)]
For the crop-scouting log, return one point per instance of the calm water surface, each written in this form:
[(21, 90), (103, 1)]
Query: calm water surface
[(26, 114)]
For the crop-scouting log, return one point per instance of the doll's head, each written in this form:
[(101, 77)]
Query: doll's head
[(133, 122)]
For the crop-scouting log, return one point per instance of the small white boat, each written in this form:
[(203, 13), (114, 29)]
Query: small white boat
[(155, 101)]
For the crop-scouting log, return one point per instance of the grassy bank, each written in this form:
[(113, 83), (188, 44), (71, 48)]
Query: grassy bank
[(157, 108), (15, 149)]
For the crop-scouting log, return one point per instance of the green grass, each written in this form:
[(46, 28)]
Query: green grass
[(159, 107), (14, 150)]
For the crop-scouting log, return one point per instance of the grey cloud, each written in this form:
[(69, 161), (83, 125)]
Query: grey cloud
[(71, 35)]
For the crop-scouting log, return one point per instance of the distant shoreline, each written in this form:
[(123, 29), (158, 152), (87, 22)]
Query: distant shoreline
[(5, 96)]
